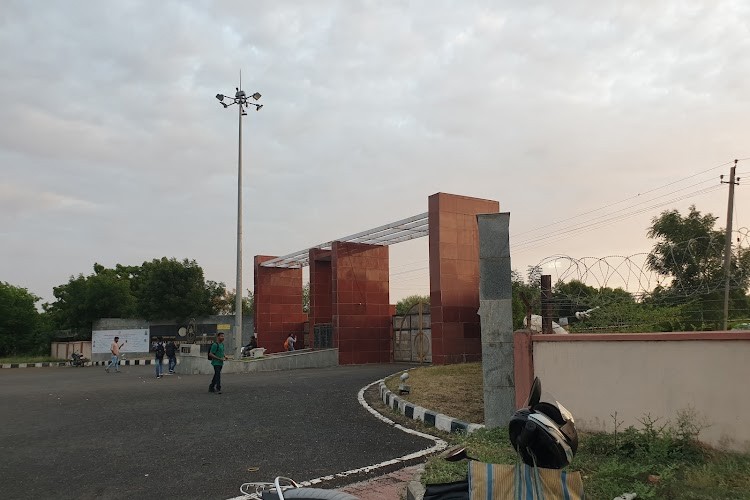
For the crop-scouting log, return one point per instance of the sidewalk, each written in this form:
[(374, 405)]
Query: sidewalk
[(391, 486)]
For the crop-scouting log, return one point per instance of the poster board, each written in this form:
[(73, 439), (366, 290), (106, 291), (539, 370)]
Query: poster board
[(134, 340)]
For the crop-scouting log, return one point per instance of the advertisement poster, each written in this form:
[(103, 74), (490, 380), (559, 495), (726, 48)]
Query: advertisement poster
[(135, 340)]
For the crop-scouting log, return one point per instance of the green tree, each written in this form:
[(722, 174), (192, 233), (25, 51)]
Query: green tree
[(404, 305), (575, 296), (689, 254), (248, 303), (219, 298), (84, 299), (172, 290), (21, 329), (306, 297), (688, 250), (530, 290)]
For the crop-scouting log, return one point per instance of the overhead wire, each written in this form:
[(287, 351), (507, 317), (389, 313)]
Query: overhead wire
[(628, 198), (406, 276), (564, 234)]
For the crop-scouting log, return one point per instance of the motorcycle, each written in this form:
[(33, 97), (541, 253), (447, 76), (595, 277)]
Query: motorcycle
[(252, 350), (77, 359)]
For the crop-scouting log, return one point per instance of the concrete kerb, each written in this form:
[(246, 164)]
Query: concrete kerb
[(429, 417), (414, 489), (56, 364)]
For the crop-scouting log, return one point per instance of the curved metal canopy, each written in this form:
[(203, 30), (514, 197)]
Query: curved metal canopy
[(388, 234)]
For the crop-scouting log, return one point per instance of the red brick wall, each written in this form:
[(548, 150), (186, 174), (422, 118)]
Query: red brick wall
[(278, 305), (454, 276), (361, 305)]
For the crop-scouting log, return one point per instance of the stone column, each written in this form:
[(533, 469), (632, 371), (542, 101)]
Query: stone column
[(496, 318)]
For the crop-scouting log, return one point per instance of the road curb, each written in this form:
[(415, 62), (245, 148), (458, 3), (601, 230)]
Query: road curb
[(429, 417), (415, 489), (56, 364)]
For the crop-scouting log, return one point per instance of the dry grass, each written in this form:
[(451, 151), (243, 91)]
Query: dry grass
[(454, 390)]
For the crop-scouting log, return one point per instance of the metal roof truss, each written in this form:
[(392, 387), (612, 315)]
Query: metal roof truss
[(388, 234)]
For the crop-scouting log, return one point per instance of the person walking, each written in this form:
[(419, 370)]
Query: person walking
[(159, 352), (171, 350), (217, 357), (114, 348)]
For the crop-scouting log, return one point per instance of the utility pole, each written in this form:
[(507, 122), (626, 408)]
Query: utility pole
[(728, 245)]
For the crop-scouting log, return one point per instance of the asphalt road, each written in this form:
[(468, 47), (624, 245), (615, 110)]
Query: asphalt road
[(83, 433)]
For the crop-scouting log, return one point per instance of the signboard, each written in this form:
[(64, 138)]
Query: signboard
[(133, 340)]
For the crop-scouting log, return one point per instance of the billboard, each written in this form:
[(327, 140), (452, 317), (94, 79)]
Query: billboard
[(133, 340)]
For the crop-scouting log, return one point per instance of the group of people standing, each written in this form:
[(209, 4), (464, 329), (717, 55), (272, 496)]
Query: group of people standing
[(160, 350), (216, 355)]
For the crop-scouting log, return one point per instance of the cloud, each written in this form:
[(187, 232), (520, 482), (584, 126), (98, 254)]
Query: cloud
[(17, 200), (110, 137)]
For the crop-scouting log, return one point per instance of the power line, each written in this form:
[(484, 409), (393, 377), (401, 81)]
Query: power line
[(587, 226), (629, 198)]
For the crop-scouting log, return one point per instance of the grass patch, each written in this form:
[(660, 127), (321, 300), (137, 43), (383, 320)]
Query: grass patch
[(657, 460), (30, 359), (454, 390)]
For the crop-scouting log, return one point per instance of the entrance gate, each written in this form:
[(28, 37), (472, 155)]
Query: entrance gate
[(412, 336)]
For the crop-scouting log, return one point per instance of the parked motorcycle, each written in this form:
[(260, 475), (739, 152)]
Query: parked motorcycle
[(77, 359)]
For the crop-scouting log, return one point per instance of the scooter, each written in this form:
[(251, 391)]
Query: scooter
[(77, 359)]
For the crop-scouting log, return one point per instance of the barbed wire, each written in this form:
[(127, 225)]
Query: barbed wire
[(633, 274)]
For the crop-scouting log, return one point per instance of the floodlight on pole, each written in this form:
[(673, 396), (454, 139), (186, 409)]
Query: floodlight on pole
[(241, 100)]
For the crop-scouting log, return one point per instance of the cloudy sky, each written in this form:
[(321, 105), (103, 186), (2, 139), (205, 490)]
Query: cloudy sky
[(584, 119)]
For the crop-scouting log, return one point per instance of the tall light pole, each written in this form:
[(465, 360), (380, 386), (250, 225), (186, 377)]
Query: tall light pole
[(242, 101)]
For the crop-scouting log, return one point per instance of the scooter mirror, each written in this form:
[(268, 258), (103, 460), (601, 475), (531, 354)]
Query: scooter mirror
[(535, 394)]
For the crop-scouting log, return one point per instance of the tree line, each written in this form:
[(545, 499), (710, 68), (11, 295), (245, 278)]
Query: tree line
[(688, 254), (161, 289)]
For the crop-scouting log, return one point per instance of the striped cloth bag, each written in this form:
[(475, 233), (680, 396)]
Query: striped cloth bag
[(522, 482)]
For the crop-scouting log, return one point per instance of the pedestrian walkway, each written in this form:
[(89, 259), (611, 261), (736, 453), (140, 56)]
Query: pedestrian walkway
[(387, 487)]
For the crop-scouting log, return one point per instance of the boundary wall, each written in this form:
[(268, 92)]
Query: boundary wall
[(661, 375)]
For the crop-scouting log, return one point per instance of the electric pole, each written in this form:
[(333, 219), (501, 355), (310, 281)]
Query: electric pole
[(728, 244)]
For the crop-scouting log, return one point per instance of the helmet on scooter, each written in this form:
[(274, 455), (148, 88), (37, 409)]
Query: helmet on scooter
[(543, 432)]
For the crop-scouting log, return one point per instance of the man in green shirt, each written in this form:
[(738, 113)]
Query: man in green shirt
[(217, 357)]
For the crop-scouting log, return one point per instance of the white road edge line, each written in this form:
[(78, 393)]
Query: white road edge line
[(438, 446)]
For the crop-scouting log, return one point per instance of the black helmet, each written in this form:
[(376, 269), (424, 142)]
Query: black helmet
[(543, 432)]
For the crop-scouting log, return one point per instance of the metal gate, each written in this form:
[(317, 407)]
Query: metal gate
[(412, 336), (323, 335)]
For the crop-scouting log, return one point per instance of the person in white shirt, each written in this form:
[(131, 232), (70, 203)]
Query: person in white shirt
[(115, 360)]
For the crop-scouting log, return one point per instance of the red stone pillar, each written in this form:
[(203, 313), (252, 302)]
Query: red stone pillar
[(361, 305), (454, 276), (278, 304)]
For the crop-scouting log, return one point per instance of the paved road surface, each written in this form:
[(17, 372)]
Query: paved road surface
[(83, 433)]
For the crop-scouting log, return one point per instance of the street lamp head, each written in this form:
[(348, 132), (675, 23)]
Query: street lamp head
[(220, 97), (256, 96), (225, 105)]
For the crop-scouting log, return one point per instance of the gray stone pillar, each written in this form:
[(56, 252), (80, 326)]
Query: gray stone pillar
[(496, 315)]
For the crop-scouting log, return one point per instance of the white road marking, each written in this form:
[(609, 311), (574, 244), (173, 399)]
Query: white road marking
[(438, 446)]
